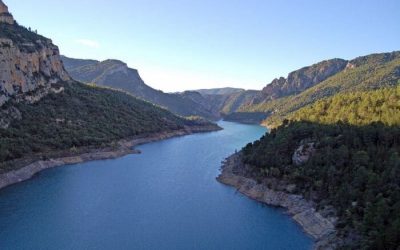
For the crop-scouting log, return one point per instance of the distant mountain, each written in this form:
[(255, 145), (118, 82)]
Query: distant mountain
[(71, 64), (219, 91), (116, 74), (109, 73), (209, 103), (236, 100), (363, 73), (321, 80), (227, 100)]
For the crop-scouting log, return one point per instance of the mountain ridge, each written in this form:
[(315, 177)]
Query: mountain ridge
[(362, 73), (252, 106), (116, 74)]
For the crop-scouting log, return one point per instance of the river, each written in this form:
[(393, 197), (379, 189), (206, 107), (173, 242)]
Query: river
[(165, 198)]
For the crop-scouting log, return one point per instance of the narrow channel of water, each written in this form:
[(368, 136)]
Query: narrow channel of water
[(165, 198)]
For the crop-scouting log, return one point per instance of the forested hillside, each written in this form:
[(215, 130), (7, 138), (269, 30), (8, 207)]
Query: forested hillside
[(349, 147), (357, 108), (80, 116)]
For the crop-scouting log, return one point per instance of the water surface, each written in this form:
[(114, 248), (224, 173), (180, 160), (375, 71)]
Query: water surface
[(165, 198)]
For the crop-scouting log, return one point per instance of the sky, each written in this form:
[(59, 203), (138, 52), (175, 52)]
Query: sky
[(185, 44)]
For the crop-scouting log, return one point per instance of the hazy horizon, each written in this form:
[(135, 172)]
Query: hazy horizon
[(180, 45)]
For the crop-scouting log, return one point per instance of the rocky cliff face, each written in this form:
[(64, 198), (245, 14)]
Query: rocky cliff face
[(22, 72), (303, 153), (28, 62), (302, 79)]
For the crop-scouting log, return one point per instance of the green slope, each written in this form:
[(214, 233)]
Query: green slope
[(357, 108), (81, 116)]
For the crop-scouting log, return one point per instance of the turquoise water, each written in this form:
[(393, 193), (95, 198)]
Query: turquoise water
[(165, 198)]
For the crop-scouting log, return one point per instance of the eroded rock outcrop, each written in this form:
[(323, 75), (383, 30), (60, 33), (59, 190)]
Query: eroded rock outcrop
[(303, 153), (300, 80), (28, 61)]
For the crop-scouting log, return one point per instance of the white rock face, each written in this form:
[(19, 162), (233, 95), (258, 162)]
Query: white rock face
[(23, 71), (303, 154), (28, 62)]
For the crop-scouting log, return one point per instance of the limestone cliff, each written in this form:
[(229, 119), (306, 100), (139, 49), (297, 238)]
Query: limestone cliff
[(300, 80), (29, 62)]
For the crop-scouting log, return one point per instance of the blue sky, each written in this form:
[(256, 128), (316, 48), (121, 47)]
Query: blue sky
[(178, 45)]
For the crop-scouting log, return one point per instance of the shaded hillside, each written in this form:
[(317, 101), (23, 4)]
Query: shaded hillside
[(116, 74)]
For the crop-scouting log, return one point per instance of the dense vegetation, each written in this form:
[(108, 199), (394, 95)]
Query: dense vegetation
[(355, 169), (364, 73), (357, 108), (82, 116), (355, 166)]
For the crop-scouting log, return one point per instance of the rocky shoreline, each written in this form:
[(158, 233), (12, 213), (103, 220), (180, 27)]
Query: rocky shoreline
[(124, 147), (321, 228)]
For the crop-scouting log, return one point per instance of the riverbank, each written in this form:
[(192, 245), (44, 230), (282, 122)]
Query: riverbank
[(121, 148), (321, 228)]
